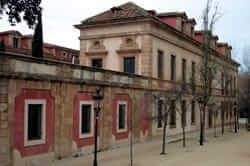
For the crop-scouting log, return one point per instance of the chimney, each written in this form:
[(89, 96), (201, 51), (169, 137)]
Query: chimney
[(188, 28), (222, 48), (152, 12), (115, 10), (213, 42)]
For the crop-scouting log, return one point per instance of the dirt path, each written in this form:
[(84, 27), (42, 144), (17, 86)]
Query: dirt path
[(229, 150)]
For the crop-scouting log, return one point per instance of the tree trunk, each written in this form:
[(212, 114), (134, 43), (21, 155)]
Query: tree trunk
[(164, 135), (183, 137), (204, 122), (215, 127), (131, 135), (222, 125), (235, 123), (201, 128)]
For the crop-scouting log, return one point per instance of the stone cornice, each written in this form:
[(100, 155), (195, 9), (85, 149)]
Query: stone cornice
[(95, 53), (125, 51)]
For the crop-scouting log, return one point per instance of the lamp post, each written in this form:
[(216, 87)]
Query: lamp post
[(97, 99), (200, 101), (235, 116)]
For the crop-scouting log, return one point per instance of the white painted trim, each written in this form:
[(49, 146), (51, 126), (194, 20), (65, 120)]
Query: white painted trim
[(126, 117), (91, 134), (42, 140)]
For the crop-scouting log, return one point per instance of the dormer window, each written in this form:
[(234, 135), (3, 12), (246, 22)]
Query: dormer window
[(64, 54), (15, 42), (192, 31)]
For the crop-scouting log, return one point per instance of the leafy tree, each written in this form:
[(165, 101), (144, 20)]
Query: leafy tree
[(16, 10)]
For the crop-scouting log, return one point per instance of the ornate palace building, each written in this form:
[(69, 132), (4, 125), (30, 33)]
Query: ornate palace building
[(132, 54)]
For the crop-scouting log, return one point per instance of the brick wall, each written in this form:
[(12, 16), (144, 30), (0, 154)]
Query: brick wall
[(64, 82), (4, 125)]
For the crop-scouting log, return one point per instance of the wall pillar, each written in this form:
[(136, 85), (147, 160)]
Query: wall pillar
[(4, 124)]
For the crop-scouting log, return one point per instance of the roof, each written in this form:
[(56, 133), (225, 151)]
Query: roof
[(29, 36), (125, 11), (192, 20), (61, 47), (13, 32), (170, 14)]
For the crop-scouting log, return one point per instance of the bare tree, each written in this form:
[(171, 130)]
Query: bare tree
[(245, 66), (227, 82), (207, 70), (215, 109), (165, 102)]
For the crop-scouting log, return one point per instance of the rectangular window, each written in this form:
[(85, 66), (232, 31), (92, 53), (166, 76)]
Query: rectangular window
[(122, 116), (160, 64), (160, 116), (234, 86), (172, 114), (193, 77), (172, 67), (15, 42), (231, 85), (129, 65), (86, 119), (34, 124), (184, 70), (222, 83), (183, 113), (34, 121), (97, 63), (193, 112), (86, 116), (226, 85)]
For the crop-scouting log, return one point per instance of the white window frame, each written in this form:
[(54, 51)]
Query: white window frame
[(126, 117), (43, 125), (91, 134)]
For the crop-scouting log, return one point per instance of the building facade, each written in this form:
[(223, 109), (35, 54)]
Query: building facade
[(14, 41), (131, 54)]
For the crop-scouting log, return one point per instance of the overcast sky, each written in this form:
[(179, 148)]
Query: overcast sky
[(59, 16)]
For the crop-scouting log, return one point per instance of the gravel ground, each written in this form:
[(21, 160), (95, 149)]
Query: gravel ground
[(229, 150)]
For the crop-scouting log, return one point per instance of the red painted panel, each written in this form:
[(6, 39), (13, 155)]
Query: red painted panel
[(58, 53), (145, 104), (24, 43), (199, 38), (81, 142), (19, 122), (123, 135), (5, 38), (170, 21)]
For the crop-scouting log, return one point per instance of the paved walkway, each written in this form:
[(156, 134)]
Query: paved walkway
[(229, 150)]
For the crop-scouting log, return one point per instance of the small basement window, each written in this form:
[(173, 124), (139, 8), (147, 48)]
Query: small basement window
[(86, 119), (35, 122), (122, 117)]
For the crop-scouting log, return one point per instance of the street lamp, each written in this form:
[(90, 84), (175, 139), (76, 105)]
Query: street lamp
[(235, 116), (97, 99), (200, 101)]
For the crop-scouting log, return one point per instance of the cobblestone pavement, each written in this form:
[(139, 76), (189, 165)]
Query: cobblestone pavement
[(230, 150)]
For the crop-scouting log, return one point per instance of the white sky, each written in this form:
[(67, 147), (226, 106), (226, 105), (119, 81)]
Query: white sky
[(59, 16)]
